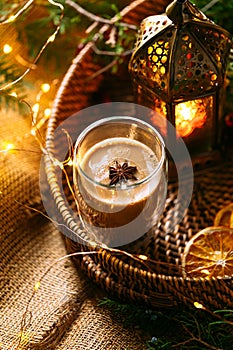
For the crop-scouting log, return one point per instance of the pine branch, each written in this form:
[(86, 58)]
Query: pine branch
[(176, 328), (98, 19), (119, 41)]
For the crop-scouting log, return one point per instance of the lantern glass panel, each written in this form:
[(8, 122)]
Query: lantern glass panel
[(194, 121)]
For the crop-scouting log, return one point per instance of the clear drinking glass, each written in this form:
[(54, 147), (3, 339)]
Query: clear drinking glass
[(120, 179)]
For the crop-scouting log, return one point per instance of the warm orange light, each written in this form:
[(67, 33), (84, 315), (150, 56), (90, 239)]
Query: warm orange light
[(11, 18), (198, 305), (47, 112), (143, 257), (7, 48), (190, 115), (70, 162), (37, 286), (13, 94), (36, 107), (45, 88), (24, 337), (7, 147), (51, 38)]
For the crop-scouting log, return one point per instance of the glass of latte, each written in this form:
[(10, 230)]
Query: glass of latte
[(120, 179)]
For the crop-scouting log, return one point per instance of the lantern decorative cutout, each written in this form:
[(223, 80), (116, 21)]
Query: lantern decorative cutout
[(178, 69)]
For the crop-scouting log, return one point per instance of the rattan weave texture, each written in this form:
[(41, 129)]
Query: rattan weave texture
[(160, 285)]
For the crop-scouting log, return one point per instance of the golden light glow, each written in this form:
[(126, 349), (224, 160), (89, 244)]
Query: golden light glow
[(37, 286), (13, 94), (143, 257), (7, 147), (11, 18), (198, 305), (7, 49), (45, 88), (190, 115), (51, 38), (33, 132), (205, 271), (24, 338), (70, 162), (36, 107), (47, 112), (158, 56)]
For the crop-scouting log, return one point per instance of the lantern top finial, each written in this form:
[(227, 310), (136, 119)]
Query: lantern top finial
[(174, 11)]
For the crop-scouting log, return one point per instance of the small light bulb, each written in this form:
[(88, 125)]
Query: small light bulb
[(47, 112), (198, 305), (7, 48), (13, 94), (143, 257), (51, 38), (33, 132), (45, 87), (11, 18), (36, 107), (37, 286), (9, 147)]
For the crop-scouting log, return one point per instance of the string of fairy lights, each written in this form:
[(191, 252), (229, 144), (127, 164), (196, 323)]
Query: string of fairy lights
[(39, 117)]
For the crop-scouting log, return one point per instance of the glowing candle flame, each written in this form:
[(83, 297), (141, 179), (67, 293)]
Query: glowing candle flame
[(189, 115)]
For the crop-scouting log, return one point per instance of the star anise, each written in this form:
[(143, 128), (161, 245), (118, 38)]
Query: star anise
[(122, 172)]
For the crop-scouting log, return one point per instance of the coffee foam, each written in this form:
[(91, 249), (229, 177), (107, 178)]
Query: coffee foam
[(95, 164)]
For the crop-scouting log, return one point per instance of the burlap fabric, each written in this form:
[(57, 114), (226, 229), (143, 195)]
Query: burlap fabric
[(63, 313)]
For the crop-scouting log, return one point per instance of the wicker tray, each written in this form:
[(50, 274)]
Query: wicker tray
[(159, 283)]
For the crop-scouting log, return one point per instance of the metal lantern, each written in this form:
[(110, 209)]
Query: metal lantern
[(178, 69)]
